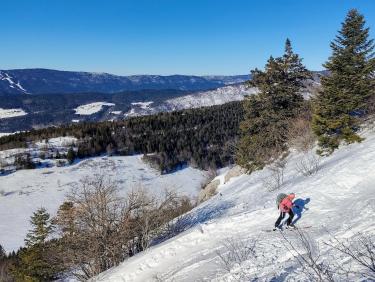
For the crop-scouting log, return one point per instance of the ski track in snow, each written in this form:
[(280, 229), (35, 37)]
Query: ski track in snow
[(341, 197)]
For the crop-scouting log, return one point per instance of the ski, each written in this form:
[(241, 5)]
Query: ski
[(288, 229)]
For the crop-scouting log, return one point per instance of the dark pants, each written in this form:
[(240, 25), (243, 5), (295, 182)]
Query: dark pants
[(281, 217)]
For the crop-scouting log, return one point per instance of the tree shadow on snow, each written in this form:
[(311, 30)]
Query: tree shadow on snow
[(198, 216), (300, 206)]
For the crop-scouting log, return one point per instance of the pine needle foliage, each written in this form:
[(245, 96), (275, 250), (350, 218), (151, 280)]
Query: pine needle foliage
[(268, 114), (349, 86)]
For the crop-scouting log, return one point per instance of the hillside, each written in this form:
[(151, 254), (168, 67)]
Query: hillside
[(338, 201), (36, 111), (47, 81)]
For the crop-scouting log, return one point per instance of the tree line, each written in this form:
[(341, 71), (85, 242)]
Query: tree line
[(203, 137)]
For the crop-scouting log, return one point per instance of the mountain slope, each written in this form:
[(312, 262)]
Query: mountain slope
[(46, 81), (54, 109), (338, 198)]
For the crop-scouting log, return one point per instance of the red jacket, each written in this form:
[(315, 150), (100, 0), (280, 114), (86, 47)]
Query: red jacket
[(286, 204)]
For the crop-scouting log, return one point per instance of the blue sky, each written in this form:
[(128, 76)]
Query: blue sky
[(168, 36)]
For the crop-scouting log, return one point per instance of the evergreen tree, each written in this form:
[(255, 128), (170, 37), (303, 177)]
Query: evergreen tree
[(347, 88), (42, 228), (267, 115), (71, 155), (2, 252), (36, 261)]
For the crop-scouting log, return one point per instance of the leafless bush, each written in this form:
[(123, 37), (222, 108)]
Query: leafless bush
[(361, 250), (308, 164), (275, 178), (154, 217), (300, 135), (61, 163), (99, 229), (235, 252), (308, 256), (211, 174)]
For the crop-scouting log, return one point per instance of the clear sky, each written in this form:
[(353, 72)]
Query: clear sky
[(168, 36)]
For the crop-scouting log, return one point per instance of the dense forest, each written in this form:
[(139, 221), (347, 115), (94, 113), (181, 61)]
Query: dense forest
[(201, 137), (56, 109)]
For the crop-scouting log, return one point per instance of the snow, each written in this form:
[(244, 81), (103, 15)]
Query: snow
[(91, 108), (140, 109), (143, 105), (9, 113), (213, 97), (341, 198), (23, 191), (116, 112), (4, 134), (199, 99), (57, 142), (12, 84)]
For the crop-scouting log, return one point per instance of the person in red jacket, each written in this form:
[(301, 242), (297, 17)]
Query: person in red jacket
[(285, 206)]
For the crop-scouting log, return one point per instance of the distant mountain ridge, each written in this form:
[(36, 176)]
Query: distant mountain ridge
[(47, 81)]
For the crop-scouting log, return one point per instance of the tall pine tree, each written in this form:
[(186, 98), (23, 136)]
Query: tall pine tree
[(268, 114), (42, 228), (35, 262), (347, 88)]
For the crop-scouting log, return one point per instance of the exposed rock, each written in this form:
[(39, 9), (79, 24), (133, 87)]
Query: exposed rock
[(208, 191), (233, 172)]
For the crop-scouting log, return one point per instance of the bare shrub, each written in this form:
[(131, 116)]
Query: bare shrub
[(235, 252), (92, 225), (153, 217), (300, 135), (208, 191), (275, 179), (361, 249), (308, 164), (210, 175), (307, 254), (99, 229)]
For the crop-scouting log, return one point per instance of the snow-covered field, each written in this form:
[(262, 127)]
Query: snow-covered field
[(91, 108), (209, 98), (57, 142), (339, 199), (9, 113), (4, 134), (23, 191), (140, 109)]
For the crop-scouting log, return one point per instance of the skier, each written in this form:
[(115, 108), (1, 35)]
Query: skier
[(284, 204)]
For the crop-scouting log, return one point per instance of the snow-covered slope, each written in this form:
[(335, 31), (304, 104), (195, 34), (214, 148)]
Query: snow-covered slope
[(209, 98), (23, 191), (339, 199), (8, 84), (9, 113), (91, 108)]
